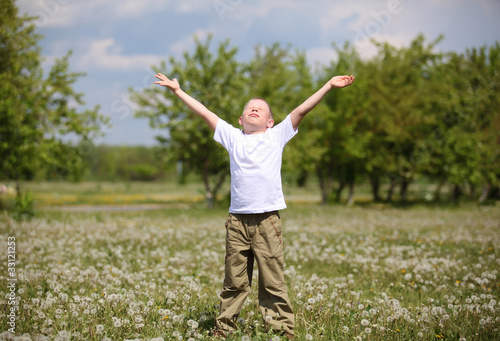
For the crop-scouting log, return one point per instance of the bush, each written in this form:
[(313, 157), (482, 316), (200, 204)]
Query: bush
[(24, 206)]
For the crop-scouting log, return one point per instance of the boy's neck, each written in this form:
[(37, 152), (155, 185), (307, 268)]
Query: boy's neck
[(254, 131)]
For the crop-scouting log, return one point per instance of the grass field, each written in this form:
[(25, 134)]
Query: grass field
[(367, 272)]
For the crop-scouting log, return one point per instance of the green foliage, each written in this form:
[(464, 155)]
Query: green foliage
[(217, 82), (37, 110), (412, 112), (24, 206), (119, 163)]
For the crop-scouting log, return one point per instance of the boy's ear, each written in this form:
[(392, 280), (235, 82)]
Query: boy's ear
[(240, 121), (270, 123)]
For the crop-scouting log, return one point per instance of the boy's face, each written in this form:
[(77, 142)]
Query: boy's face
[(256, 117)]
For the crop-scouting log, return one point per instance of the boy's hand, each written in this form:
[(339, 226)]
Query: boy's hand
[(341, 81), (173, 84)]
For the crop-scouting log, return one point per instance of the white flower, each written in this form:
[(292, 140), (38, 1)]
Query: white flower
[(99, 328), (245, 338), (309, 337), (365, 322), (368, 330), (345, 329)]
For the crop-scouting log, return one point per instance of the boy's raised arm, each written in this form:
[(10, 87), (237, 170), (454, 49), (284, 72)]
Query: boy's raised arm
[(335, 82), (199, 109)]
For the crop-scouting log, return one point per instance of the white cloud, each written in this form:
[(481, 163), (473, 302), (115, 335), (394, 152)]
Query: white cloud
[(321, 55), (65, 13), (187, 43), (59, 13), (193, 6), (105, 54)]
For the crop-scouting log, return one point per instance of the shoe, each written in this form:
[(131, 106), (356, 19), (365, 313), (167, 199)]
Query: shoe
[(219, 334)]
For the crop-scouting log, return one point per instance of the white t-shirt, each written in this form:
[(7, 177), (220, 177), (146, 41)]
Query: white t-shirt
[(255, 161)]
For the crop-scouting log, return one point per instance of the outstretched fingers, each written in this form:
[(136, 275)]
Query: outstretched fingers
[(172, 84), (342, 81), (161, 77)]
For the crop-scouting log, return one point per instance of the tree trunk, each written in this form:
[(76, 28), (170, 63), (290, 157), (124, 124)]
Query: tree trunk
[(495, 193), (405, 183), (325, 184), (350, 200), (208, 191), (375, 183), (218, 185), (18, 188), (437, 196), (457, 192), (485, 192), (472, 190), (210, 200), (302, 178), (390, 192), (338, 192)]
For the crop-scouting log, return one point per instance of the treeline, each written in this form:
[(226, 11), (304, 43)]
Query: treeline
[(413, 112), (110, 163)]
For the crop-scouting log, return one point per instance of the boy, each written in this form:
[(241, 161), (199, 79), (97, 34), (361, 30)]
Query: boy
[(253, 228)]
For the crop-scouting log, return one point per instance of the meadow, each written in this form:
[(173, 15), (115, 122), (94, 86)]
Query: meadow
[(366, 272)]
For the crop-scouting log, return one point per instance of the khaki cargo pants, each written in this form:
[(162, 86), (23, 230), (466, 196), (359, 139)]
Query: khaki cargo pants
[(259, 237)]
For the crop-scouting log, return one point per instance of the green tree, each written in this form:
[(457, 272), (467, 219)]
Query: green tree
[(217, 82), (402, 100), (37, 111), (343, 128), (465, 148), (284, 79)]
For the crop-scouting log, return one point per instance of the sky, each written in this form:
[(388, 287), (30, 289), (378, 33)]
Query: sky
[(117, 42)]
